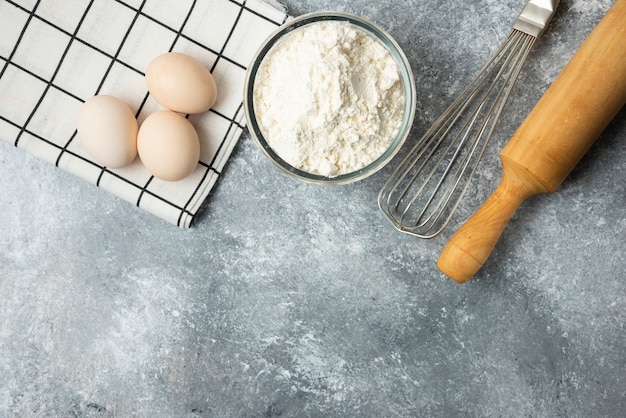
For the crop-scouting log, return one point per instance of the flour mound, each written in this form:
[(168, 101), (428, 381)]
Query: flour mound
[(328, 98)]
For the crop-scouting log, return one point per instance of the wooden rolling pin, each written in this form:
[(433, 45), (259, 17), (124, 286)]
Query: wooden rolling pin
[(560, 129)]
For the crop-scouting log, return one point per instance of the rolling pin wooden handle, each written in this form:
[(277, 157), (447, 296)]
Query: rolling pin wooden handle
[(559, 130), (470, 247)]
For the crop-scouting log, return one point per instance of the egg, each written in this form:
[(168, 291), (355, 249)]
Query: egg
[(181, 83), (168, 145), (107, 130)]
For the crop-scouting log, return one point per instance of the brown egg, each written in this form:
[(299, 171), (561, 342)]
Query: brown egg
[(181, 83), (107, 130), (168, 145)]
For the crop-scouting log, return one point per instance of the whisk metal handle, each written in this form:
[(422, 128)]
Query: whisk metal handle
[(535, 16), (560, 129)]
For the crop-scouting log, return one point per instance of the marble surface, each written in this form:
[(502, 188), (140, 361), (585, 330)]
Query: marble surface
[(287, 299)]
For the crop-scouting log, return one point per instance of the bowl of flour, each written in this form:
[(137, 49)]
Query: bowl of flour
[(329, 98)]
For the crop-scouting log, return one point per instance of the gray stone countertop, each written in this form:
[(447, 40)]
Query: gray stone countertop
[(286, 299)]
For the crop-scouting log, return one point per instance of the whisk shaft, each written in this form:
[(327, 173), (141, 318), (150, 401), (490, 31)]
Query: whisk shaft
[(422, 194)]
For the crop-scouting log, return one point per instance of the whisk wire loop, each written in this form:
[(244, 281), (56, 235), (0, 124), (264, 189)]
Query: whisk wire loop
[(424, 191)]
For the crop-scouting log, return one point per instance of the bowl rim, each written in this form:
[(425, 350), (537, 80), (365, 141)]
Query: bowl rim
[(406, 77)]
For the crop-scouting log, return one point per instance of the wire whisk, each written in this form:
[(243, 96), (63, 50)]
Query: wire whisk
[(422, 194)]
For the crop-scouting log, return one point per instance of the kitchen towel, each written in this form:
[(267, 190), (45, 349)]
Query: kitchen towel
[(54, 55)]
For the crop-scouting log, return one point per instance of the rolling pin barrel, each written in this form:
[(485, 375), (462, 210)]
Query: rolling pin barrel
[(546, 147)]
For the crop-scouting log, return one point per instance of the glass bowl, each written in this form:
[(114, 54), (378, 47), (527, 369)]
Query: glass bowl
[(406, 80)]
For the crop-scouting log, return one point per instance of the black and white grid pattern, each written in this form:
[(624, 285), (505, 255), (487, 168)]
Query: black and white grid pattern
[(54, 55)]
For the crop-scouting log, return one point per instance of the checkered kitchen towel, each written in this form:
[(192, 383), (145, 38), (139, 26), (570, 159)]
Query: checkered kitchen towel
[(55, 54)]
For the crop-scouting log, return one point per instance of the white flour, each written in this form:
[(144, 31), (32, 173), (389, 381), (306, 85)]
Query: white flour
[(329, 99)]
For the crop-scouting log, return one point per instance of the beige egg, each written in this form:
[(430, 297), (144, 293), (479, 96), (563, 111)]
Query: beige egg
[(107, 130), (168, 145), (181, 83)]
